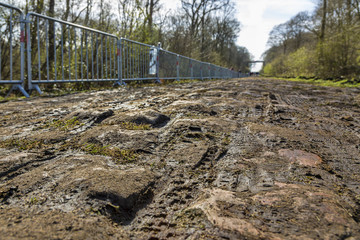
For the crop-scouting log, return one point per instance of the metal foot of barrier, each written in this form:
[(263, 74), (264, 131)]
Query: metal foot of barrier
[(37, 88), (17, 87), (119, 83)]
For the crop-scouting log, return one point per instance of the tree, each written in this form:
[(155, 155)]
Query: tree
[(330, 35), (196, 13), (151, 7), (280, 36)]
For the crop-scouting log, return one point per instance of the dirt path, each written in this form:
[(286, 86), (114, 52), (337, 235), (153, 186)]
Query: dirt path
[(229, 159)]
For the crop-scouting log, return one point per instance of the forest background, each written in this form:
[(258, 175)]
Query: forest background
[(205, 30), (323, 44)]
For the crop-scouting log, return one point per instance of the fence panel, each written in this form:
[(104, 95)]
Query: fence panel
[(12, 47), (212, 71), (168, 65), (185, 67), (206, 70), (235, 74), (197, 69), (63, 52), (139, 61), (217, 72)]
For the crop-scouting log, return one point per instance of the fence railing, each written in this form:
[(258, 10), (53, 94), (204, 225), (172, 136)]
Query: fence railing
[(63, 52), (12, 46), (138, 61)]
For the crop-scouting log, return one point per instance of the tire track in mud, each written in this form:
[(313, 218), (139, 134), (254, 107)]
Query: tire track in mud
[(177, 190)]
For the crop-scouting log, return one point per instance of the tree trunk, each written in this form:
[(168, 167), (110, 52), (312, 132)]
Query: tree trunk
[(323, 22), (322, 35), (67, 10), (88, 11), (150, 17), (51, 13)]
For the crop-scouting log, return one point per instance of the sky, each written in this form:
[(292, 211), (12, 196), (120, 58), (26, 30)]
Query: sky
[(257, 18)]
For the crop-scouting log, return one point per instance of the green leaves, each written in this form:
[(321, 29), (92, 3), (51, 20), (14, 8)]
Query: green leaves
[(322, 45)]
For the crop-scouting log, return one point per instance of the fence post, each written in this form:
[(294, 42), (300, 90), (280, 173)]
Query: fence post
[(19, 86), (209, 70), (28, 35), (28, 52), (119, 63), (158, 63), (201, 72), (191, 69), (22, 56), (177, 67)]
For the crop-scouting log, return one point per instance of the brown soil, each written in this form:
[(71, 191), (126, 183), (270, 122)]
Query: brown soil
[(229, 159)]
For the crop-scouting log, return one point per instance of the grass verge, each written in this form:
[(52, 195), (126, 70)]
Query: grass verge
[(345, 83)]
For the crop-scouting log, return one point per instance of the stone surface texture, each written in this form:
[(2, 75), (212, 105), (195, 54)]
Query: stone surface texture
[(223, 159)]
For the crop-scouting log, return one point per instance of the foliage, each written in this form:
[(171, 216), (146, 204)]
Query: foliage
[(207, 30), (296, 64), (323, 44)]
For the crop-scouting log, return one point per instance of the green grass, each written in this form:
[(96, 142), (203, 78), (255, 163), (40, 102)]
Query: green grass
[(12, 97), (226, 140), (346, 83), (191, 218), (120, 156), (22, 144), (62, 125), (33, 201)]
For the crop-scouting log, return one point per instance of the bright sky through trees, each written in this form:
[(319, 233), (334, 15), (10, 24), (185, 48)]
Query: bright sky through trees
[(258, 17)]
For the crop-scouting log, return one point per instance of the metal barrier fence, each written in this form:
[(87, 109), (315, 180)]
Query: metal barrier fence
[(62, 52), (12, 46), (168, 65), (138, 61)]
